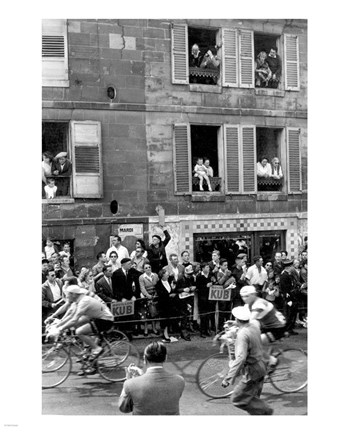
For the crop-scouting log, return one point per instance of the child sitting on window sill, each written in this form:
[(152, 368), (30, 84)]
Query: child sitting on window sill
[(200, 171)]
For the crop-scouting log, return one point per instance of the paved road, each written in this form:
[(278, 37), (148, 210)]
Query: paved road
[(94, 396)]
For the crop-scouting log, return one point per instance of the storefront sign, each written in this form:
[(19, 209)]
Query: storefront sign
[(219, 293), (123, 308), (135, 230)]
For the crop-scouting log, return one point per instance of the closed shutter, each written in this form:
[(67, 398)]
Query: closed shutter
[(229, 58), (293, 158), (246, 49), (54, 53), (292, 62), (179, 54), (182, 160), (248, 144), (86, 159), (232, 181)]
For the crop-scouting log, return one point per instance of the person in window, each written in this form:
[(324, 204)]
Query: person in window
[(47, 158), (263, 168), (196, 56), (201, 172), (62, 167), (276, 171), (210, 59), (274, 62), (263, 73), (210, 171), (50, 188)]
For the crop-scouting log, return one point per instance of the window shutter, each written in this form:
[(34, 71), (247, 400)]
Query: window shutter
[(179, 54), (229, 58), (292, 62), (182, 160), (293, 158), (231, 134), (86, 159), (246, 49), (249, 159), (54, 53)]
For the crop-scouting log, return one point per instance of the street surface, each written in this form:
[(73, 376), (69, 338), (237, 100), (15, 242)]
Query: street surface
[(94, 396)]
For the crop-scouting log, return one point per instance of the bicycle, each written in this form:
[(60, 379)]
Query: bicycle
[(111, 364), (289, 375)]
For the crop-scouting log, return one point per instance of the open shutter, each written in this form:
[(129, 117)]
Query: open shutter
[(229, 58), (231, 134), (179, 54), (182, 160), (246, 49), (86, 159), (54, 53), (248, 145), (292, 62), (293, 158)]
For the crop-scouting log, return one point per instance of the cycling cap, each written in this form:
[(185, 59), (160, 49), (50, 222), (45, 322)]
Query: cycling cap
[(75, 289), (248, 289), (241, 312)]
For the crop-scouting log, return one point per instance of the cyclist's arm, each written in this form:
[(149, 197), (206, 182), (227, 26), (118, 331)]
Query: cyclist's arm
[(60, 311), (241, 351), (72, 320)]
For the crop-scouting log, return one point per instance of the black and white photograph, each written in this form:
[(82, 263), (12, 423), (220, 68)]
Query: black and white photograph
[(173, 219)]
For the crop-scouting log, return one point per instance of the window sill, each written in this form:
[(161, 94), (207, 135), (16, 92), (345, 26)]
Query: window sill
[(269, 92), (208, 197), (62, 200), (271, 196), (55, 83), (206, 88)]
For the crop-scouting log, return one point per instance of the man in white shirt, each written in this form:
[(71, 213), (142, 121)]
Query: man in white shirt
[(51, 294), (118, 248), (174, 268), (257, 275)]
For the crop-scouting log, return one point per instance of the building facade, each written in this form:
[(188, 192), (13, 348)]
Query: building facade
[(123, 100)]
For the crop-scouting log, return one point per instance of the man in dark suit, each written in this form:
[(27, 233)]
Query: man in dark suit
[(103, 286), (51, 294), (62, 168), (157, 392)]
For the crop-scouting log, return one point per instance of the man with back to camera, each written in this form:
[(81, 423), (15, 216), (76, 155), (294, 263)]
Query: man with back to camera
[(249, 362), (157, 392)]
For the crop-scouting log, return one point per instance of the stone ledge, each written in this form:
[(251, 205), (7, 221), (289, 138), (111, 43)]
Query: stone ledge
[(207, 197), (269, 92), (205, 88)]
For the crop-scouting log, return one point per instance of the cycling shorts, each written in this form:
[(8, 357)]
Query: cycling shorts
[(100, 325), (274, 334)]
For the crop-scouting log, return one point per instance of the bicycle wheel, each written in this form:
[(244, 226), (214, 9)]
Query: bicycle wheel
[(56, 365), (291, 373), (114, 335), (210, 375), (114, 360)]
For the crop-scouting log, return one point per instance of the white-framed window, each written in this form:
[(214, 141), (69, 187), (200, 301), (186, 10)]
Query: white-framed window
[(236, 51), (234, 151), (54, 53), (81, 176)]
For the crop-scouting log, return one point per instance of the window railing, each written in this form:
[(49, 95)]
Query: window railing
[(215, 183), (269, 184), (203, 76)]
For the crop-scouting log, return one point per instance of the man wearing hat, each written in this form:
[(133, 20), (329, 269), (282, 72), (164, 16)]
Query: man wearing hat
[(157, 252), (250, 364), (290, 292), (90, 316), (62, 167)]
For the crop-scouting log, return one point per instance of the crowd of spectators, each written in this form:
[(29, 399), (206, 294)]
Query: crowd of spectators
[(172, 294)]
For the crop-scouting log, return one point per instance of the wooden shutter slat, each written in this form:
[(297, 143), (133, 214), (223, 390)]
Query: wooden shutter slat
[(291, 62), (248, 159), (232, 158), (179, 54), (294, 164), (182, 160), (246, 48), (229, 58), (53, 46)]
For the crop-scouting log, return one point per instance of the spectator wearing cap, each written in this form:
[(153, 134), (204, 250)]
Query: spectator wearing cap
[(185, 288), (239, 275), (62, 168), (156, 251), (118, 248), (257, 276), (249, 362), (290, 293)]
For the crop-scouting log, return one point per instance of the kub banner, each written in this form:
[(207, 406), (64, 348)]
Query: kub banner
[(120, 309), (219, 293)]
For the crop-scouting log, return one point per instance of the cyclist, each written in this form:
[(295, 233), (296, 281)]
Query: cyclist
[(90, 316), (272, 323)]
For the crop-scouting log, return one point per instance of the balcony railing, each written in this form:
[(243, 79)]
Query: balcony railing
[(215, 183)]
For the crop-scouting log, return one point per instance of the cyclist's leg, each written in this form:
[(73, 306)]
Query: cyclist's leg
[(84, 329)]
